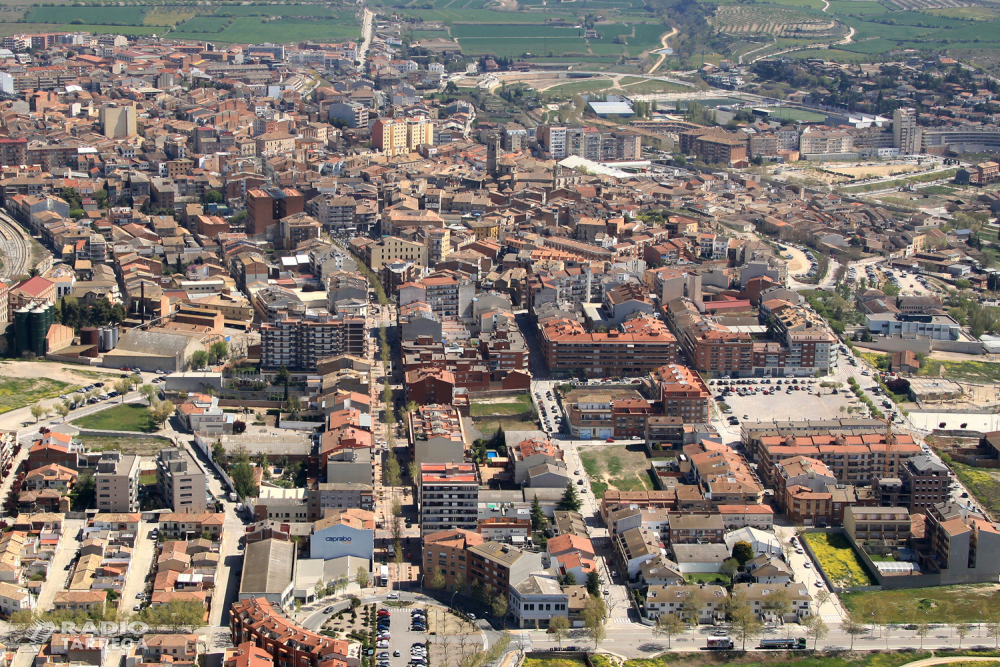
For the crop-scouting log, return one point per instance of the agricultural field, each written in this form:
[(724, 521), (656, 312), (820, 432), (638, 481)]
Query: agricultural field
[(983, 483), (940, 604), (965, 13), (227, 24), (838, 560), (757, 21)]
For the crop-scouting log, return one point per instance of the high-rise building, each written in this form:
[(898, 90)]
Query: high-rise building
[(905, 133), (118, 122), (399, 136), (180, 480), (448, 497), (298, 343), (117, 482)]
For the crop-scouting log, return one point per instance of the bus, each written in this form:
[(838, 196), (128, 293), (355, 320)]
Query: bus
[(383, 576), (788, 644), (719, 644)]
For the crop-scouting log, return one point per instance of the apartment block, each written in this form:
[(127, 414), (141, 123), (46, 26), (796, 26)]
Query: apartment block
[(117, 482), (448, 497), (181, 481), (640, 346), (495, 567), (446, 551), (889, 526), (339, 495), (299, 343), (683, 393)]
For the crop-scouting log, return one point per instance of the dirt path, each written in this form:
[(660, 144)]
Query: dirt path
[(944, 661), (663, 56)]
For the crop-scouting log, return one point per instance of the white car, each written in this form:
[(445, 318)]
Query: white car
[(393, 596)]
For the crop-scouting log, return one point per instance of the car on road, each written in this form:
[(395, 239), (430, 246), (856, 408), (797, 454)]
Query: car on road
[(328, 610), (393, 596), (807, 565), (395, 654)]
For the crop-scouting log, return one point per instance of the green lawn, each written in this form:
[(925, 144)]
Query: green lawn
[(706, 578), (515, 405), (122, 417), (148, 478), (940, 604), (19, 392), (790, 658)]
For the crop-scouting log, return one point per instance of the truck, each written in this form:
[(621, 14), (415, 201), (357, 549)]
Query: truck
[(233, 498), (383, 576), (719, 644), (787, 644)]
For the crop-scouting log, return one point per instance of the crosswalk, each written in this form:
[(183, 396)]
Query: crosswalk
[(831, 618), (620, 621)]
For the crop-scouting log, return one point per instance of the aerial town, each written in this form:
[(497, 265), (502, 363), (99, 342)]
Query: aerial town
[(380, 352)]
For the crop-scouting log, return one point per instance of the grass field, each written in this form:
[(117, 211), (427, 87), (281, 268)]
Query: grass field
[(967, 13), (282, 31), (166, 16), (796, 114), (649, 87), (785, 658), (122, 417), (838, 560), (591, 85), (940, 604), (621, 467), (513, 405), (19, 392)]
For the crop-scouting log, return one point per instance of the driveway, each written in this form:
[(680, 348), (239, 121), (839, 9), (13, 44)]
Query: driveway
[(142, 560)]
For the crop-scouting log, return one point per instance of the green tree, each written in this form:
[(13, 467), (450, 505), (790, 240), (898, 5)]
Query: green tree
[(816, 629), (148, 391), (595, 612), (570, 501), (242, 474), (559, 626), (63, 409), (743, 619), (293, 405), (742, 552), (668, 625), (391, 469), (283, 377), (160, 411), (538, 519), (213, 197), (362, 577), (198, 359), (123, 387), (218, 453), (436, 579), (218, 351), (37, 411), (594, 583)]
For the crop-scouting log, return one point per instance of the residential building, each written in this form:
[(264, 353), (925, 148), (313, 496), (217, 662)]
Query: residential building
[(705, 604), (884, 526), (446, 551), (117, 482), (537, 600), (448, 497), (495, 567), (299, 343), (640, 346), (181, 481)]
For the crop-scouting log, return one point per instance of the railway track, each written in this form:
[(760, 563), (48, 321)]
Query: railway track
[(13, 245)]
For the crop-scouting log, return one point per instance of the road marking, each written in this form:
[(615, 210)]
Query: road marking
[(831, 618)]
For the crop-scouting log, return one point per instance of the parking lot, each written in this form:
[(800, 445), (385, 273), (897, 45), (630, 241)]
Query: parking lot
[(782, 404), (549, 410), (401, 640)]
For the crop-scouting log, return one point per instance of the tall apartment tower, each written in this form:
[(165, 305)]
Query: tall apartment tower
[(117, 482), (181, 481), (905, 133)]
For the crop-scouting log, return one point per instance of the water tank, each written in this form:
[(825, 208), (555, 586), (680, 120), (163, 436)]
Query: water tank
[(114, 337), (88, 336), (21, 330)]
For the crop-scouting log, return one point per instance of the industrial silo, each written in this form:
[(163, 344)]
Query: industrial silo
[(21, 330), (39, 321)]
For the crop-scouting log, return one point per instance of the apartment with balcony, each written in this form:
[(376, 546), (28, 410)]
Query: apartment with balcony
[(889, 526), (636, 348), (495, 567), (299, 343), (448, 497)]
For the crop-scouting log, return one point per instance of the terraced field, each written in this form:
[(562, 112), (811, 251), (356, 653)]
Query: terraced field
[(770, 21)]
